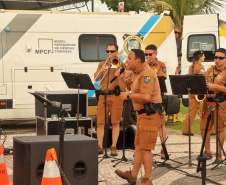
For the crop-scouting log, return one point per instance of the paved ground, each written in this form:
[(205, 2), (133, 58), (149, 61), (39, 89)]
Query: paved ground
[(172, 173)]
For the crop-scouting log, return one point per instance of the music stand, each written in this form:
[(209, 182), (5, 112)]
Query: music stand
[(187, 85), (78, 81), (162, 85)]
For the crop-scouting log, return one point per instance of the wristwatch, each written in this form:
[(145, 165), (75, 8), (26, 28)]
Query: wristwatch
[(129, 95)]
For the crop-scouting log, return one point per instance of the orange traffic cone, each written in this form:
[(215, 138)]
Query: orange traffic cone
[(4, 179), (51, 173)]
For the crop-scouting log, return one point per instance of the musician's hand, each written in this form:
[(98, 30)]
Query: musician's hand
[(117, 73), (126, 73), (105, 68), (123, 95), (211, 86)]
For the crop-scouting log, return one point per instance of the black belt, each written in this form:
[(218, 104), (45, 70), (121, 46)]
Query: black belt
[(103, 93), (141, 111), (157, 106)]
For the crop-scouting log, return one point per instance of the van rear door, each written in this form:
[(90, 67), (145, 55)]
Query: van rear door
[(200, 32)]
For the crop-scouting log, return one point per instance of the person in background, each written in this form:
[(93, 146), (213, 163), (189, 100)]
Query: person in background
[(146, 97), (216, 78), (151, 56), (114, 102), (160, 69), (179, 39), (195, 68)]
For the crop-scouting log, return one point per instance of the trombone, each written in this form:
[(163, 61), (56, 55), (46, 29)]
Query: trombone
[(115, 64)]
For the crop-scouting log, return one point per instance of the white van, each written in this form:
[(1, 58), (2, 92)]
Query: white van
[(35, 47)]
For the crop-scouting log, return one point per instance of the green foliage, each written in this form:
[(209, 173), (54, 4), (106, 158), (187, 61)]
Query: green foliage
[(179, 8)]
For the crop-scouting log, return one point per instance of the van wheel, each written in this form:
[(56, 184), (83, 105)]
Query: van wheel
[(129, 116)]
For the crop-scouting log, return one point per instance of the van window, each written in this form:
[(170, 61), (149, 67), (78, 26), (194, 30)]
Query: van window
[(92, 48), (206, 43)]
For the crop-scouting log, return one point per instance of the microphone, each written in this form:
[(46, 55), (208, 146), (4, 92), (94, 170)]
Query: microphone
[(60, 106), (56, 104), (51, 103), (121, 71)]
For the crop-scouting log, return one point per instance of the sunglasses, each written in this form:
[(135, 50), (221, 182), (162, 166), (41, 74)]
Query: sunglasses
[(110, 51), (177, 32), (220, 58), (149, 54)]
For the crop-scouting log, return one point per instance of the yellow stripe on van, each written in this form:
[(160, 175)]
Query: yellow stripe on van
[(156, 36), (222, 31)]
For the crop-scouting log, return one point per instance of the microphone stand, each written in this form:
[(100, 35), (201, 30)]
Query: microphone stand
[(202, 158), (61, 136), (106, 120), (216, 100), (123, 159), (189, 124), (61, 124)]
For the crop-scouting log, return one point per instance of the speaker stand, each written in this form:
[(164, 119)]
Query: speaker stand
[(61, 137)]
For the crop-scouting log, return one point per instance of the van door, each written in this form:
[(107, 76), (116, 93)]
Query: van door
[(32, 79), (200, 32)]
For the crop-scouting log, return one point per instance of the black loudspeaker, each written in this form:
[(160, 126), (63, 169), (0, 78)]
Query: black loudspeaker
[(172, 104), (80, 163)]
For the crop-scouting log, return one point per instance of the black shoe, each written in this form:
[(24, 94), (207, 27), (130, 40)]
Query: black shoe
[(187, 134)]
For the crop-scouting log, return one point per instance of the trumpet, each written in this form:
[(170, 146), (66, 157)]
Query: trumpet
[(115, 63)]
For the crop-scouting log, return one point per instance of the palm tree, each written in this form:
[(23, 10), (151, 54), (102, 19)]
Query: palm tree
[(179, 8)]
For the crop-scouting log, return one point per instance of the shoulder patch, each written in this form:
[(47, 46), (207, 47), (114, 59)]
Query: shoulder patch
[(164, 69), (202, 70), (147, 78)]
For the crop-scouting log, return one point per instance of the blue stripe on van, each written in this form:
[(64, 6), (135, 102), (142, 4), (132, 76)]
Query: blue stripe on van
[(148, 25), (122, 58), (92, 92)]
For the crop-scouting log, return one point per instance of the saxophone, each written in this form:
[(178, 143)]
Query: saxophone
[(202, 98)]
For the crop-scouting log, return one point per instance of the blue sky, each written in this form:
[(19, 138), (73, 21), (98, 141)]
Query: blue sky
[(222, 14)]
